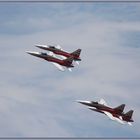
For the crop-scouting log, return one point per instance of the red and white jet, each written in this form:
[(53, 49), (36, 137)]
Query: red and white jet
[(115, 114), (59, 51), (60, 64)]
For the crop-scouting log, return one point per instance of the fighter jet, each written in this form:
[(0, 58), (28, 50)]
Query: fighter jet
[(60, 64), (115, 114), (59, 51)]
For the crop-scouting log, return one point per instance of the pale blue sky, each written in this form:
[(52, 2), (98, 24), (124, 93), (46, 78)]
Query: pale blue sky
[(14, 15), (37, 99)]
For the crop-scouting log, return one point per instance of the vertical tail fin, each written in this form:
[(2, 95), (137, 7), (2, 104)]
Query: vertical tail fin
[(68, 61), (76, 53), (120, 108), (129, 114)]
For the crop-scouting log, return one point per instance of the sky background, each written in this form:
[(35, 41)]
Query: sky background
[(37, 100)]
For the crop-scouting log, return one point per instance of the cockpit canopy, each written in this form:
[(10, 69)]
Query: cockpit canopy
[(53, 47), (94, 102), (44, 53)]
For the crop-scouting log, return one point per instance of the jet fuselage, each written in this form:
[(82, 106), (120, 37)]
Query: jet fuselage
[(50, 58), (99, 107)]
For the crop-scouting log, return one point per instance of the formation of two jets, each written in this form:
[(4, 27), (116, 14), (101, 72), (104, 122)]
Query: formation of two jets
[(115, 114), (61, 64), (66, 61)]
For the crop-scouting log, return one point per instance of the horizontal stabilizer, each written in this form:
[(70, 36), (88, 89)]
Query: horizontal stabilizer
[(109, 115)]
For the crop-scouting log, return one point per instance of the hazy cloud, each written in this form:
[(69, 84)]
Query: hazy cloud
[(38, 100)]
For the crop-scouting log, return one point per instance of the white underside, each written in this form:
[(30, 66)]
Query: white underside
[(61, 68), (116, 119)]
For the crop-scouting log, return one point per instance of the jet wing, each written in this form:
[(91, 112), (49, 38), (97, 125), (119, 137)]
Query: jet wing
[(103, 102), (70, 69), (119, 120), (61, 68), (129, 123), (77, 62), (109, 115), (114, 118), (97, 110), (60, 48), (63, 57), (60, 56), (57, 65), (52, 54)]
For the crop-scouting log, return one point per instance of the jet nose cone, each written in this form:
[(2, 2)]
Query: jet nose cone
[(83, 102), (41, 46), (32, 53), (38, 46), (79, 101), (29, 52)]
